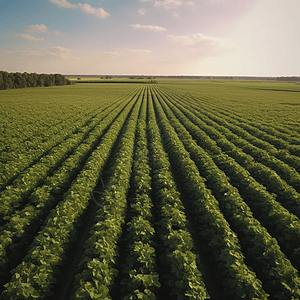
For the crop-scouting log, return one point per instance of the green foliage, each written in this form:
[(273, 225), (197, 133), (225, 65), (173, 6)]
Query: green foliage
[(47, 251), (233, 147), (22, 80), (105, 234), (213, 225)]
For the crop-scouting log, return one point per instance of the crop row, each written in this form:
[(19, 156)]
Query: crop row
[(236, 128), (29, 179), (97, 269), (22, 153), (238, 280), (139, 277), (239, 213), (45, 197), (261, 164), (285, 132), (183, 277), (275, 175), (154, 196), (35, 275)]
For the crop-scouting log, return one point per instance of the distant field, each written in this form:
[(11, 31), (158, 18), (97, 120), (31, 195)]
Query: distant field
[(182, 189), (110, 80)]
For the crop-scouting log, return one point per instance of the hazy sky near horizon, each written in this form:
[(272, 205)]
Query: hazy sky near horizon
[(149, 37)]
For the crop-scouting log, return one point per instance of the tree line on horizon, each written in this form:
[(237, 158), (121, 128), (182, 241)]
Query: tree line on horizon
[(22, 80)]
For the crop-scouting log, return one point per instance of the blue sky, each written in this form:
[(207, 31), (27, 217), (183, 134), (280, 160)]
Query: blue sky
[(149, 37)]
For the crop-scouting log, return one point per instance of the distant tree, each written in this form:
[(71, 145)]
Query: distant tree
[(52, 79), (152, 81), (1, 82), (32, 79), (7, 80), (12, 79), (40, 80), (49, 80), (60, 79), (25, 76), (20, 81), (23, 80)]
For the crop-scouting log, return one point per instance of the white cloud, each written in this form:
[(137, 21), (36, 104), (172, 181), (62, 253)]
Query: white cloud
[(191, 49), (216, 1), (58, 33), (199, 38), (168, 3), (31, 38), (113, 54), (140, 51), (63, 3), (142, 11), (124, 52), (33, 53), (61, 52), (63, 49), (99, 13), (96, 12), (37, 28), (148, 27), (56, 52), (144, 0), (173, 3)]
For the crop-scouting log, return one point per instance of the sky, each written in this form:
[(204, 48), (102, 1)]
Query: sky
[(150, 37)]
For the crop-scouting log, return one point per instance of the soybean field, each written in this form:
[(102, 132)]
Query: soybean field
[(182, 189)]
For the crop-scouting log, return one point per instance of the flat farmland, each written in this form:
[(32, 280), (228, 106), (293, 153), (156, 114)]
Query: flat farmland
[(182, 189)]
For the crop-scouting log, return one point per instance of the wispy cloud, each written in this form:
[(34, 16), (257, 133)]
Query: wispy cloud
[(37, 28), (63, 3), (99, 13), (42, 28), (140, 51), (148, 27), (29, 37), (144, 0), (199, 38), (216, 1), (26, 52), (113, 54), (63, 49), (142, 11), (54, 52), (196, 47), (124, 52), (61, 52), (58, 33), (173, 3), (168, 3)]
